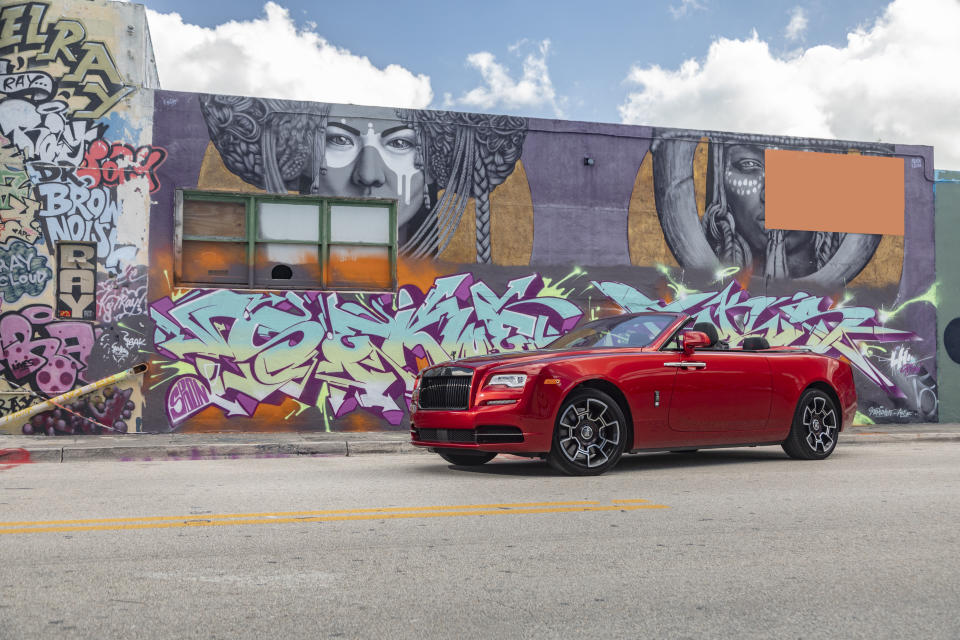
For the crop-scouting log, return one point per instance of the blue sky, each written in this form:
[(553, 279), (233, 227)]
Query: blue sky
[(593, 45), (858, 69)]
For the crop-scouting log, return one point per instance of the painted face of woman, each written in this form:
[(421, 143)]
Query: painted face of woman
[(373, 158), (743, 180)]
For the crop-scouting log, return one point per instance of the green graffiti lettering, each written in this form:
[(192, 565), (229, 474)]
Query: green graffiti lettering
[(69, 33), (92, 81), (96, 59), (10, 24), (33, 36)]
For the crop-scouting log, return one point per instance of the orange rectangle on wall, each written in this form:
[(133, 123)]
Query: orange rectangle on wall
[(811, 191)]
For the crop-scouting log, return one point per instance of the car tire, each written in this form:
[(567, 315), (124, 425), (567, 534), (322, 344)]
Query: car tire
[(589, 434), (466, 458), (815, 428)]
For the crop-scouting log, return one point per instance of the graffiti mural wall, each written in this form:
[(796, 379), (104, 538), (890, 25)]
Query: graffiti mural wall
[(77, 169), (510, 232), (213, 237)]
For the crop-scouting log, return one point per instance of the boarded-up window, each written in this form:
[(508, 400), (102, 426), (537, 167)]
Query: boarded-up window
[(282, 242), (354, 223), (282, 265), (214, 262), (360, 267), (361, 252), (291, 258), (210, 218)]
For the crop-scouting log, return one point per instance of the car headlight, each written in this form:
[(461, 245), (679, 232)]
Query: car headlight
[(415, 393), (513, 380)]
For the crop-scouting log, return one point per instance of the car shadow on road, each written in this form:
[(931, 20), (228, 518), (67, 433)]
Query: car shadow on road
[(704, 458), (506, 465)]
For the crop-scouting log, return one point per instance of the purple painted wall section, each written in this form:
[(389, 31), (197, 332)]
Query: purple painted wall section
[(580, 212), (919, 256), (179, 114)]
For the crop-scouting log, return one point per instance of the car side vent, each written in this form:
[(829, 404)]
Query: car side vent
[(446, 435), (498, 435)]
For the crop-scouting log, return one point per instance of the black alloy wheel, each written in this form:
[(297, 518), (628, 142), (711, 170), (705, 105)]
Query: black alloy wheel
[(816, 426), (590, 434)]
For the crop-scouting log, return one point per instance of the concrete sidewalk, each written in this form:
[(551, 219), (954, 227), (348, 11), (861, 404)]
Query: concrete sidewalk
[(206, 446), (203, 446)]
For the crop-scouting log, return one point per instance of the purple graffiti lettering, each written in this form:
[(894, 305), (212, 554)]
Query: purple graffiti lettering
[(185, 397), (347, 353), (800, 320)]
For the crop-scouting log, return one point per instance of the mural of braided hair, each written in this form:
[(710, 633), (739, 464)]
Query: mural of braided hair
[(732, 231), (263, 141), (285, 145), (468, 155)]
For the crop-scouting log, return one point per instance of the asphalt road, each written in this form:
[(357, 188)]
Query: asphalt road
[(732, 543)]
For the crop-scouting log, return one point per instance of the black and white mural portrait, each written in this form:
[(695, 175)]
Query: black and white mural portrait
[(431, 162), (732, 230)]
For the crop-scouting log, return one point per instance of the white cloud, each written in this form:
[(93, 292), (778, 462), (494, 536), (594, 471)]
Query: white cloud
[(797, 25), (685, 7), (271, 57), (893, 81), (533, 89)]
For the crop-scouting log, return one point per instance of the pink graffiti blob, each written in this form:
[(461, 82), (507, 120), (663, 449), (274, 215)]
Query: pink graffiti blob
[(49, 354)]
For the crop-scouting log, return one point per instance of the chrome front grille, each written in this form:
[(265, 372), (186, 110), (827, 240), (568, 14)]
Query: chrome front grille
[(445, 392)]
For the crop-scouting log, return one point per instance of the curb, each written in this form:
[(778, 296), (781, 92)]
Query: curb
[(345, 448), (150, 453), (203, 452), (41, 455), (382, 446)]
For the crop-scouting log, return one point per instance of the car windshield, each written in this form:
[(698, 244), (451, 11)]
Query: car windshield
[(615, 331)]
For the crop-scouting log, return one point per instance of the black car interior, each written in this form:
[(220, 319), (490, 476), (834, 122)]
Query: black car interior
[(713, 334), (755, 343), (750, 343)]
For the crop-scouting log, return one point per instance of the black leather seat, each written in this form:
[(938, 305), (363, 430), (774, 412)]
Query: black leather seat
[(755, 343), (712, 333)]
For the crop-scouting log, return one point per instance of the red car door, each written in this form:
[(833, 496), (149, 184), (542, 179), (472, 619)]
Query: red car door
[(719, 391), (647, 386)]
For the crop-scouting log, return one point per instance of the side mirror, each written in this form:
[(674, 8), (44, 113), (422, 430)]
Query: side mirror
[(693, 340)]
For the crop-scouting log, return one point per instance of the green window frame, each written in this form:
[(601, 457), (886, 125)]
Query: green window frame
[(246, 244)]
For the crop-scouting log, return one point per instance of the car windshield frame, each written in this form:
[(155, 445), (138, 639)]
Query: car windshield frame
[(604, 330)]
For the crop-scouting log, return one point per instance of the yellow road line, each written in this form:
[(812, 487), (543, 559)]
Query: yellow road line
[(638, 501), (331, 518), (277, 514)]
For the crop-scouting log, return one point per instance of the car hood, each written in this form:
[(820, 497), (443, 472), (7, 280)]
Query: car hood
[(523, 358)]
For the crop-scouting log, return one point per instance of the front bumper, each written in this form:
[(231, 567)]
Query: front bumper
[(500, 429)]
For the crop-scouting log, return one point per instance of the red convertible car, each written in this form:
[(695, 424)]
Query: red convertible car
[(630, 383)]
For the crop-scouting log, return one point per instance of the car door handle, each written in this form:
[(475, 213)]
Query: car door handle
[(689, 364)]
